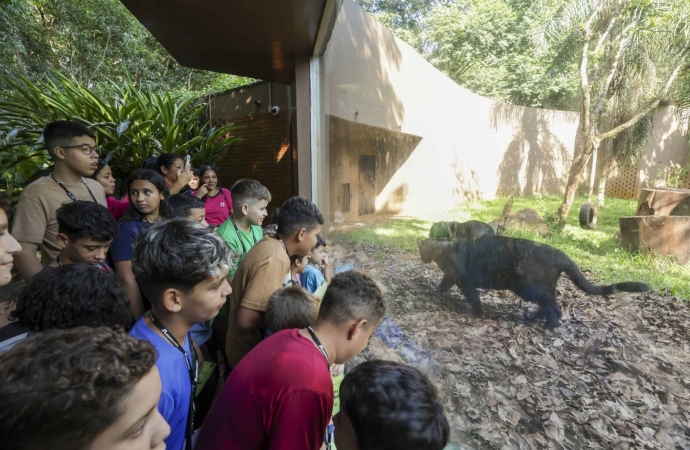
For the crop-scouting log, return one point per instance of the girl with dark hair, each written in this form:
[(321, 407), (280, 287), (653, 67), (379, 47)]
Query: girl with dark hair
[(176, 176), (146, 190), (104, 175), (217, 199)]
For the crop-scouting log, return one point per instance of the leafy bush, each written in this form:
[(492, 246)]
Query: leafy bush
[(131, 125)]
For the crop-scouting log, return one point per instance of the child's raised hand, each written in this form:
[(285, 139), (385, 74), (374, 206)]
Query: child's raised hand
[(202, 191), (324, 260), (337, 369), (184, 176)]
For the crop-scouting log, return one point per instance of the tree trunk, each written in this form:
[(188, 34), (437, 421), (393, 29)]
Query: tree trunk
[(604, 166), (584, 127), (583, 150), (577, 169)]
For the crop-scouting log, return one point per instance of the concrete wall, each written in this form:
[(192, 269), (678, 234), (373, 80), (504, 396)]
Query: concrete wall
[(667, 145), (464, 146)]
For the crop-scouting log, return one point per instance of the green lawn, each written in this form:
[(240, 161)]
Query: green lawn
[(594, 250)]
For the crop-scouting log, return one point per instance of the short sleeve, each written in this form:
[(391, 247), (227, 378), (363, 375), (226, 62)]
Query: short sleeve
[(117, 208), (268, 278), (123, 244), (166, 406), (312, 280), (228, 200), (30, 221), (300, 420)]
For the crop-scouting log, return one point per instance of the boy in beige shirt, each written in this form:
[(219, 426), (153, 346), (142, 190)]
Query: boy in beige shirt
[(263, 270), (72, 148)]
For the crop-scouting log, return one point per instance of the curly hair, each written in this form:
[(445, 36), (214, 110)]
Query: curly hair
[(353, 295), (297, 213), (393, 406), (177, 253), (86, 220), (60, 389), (72, 296)]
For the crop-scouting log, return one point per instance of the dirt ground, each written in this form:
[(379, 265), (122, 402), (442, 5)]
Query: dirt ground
[(614, 375)]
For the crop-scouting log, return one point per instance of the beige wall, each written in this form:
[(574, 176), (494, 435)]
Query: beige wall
[(467, 146), (667, 144)]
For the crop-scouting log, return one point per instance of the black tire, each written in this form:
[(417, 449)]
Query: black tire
[(588, 216)]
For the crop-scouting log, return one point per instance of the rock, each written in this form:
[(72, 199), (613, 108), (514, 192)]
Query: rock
[(526, 219)]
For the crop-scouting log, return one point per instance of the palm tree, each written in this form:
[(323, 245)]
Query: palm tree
[(630, 54)]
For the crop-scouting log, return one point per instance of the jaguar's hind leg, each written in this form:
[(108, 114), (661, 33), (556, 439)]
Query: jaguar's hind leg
[(472, 296), (551, 312)]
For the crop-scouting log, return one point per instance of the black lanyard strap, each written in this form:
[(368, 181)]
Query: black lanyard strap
[(67, 191), (192, 367), (318, 343), (239, 236)]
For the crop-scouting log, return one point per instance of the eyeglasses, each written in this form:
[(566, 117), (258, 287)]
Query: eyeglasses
[(85, 149)]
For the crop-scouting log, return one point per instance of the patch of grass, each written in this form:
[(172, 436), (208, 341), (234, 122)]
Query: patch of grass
[(595, 250)]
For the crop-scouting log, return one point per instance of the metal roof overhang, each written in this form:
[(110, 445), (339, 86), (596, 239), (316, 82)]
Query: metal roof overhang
[(252, 38)]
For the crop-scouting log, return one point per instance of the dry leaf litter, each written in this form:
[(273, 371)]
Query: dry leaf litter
[(614, 375)]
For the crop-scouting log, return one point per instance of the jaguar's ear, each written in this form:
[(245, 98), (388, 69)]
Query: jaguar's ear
[(419, 242)]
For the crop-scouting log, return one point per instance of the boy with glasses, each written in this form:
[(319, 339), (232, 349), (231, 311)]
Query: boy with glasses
[(72, 148)]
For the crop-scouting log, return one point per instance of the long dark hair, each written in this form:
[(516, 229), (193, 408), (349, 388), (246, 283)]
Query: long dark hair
[(166, 160), (147, 175), (101, 165), (205, 168)]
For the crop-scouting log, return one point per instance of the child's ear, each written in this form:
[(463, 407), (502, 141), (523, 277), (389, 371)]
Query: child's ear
[(301, 234), (171, 300), (245, 209), (59, 153), (356, 328), (62, 240)]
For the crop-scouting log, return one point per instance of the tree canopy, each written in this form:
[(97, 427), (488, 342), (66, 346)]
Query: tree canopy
[(97, 42), (489, 46)]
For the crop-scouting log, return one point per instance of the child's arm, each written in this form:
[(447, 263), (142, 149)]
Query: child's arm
[(124, 273), (327, 270)]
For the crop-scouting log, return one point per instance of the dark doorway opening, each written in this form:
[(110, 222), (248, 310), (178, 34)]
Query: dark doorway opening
[(366, 193)]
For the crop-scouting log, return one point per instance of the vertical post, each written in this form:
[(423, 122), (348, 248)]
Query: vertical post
[(304, 119), (316, 143)]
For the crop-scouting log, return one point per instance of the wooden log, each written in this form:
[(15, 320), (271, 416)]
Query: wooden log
[(663, 202), (663, 235)]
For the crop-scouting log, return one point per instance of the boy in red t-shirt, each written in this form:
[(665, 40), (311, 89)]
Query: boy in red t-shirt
[(280, 395)]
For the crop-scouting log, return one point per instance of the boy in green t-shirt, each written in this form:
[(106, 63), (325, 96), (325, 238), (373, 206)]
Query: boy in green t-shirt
[(241, 231)]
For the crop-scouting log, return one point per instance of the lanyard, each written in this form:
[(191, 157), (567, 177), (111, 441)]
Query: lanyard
[(192, 367), (69, 194), (239, 236), (284, 246), (329, 431), (318, 343)]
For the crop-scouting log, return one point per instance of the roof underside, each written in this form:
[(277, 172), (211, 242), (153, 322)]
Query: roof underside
[(252, 38)]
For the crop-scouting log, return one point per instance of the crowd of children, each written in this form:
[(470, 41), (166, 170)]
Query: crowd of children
[(117, 338)]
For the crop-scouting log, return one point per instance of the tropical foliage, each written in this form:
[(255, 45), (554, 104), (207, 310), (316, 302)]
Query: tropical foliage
[(96, 42), (131, 125)]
